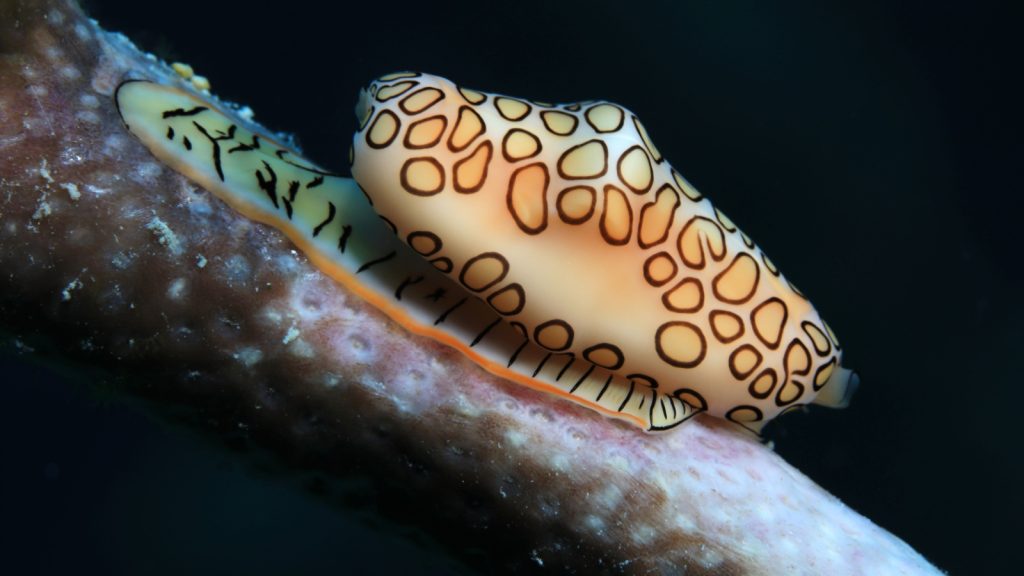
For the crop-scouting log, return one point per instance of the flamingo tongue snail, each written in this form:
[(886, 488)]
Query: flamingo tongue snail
[(553, 245)]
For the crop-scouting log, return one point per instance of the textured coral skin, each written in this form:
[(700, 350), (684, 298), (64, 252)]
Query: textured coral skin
[(170, 289)]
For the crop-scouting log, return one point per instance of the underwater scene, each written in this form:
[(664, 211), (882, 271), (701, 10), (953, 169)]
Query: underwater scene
[(449, 288)]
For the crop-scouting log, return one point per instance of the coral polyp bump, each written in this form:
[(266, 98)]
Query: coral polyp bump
[(551, 244)]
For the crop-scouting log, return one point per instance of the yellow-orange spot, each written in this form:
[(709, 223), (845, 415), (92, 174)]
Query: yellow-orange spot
[(511, 108), (818, 338), (698, 233), (656, 217), (388, 92), (726, 326), (472, 96), (383, 130), (509, 300), (824, 373), (743, 361), (647, 140), (736, 284), (443, 264), (471, 171), (635, 170), (425, 133), (798, 359), (483, 271), (789, 393), (559, 123), (604, 355), (659, 269), (605, 117), (725, 221), (468, 126), (421, 100), (587, 160), (763, 385), (519, 144), (680, 344), (617, 217), (768, 320), (183, 70), (422, 176), (686, 296), (527, 198), (747, 240), (769, 264), (686, 187), (576, 204), (554, 335), (424, 243), (744, 414)]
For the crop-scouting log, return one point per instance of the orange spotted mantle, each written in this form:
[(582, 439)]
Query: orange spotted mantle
[(551, 244)]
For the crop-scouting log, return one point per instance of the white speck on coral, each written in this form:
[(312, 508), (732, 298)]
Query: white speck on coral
[(331, 380), (65, 294), (44, 171), (464, 407), (291, 335), (8, 141), (88, 116), (594, 523), (29, 72), (89, 101), (610, 497), (70, 157), (146, 173), (122, 260), (96, 189), (237, 268), (685, 523), (515, 438), (534, 555), (620, 463), (560, 463), (273, 316), (359, 349), (53, 53), (708, 556), (42, 211), (82, 32), (248, 356), (164, 235), (302, 349), (70, 73), (375, 385), (37, 90), (113, 145), (177, 288), (72, 190), (643, 533), (200, 261), (55, 16)]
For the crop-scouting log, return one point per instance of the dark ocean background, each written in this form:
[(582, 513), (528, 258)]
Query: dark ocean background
[(874, 148)]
